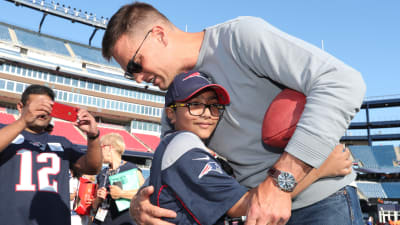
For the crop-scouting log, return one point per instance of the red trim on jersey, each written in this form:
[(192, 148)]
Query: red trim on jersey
[(184, 206), (159, 193), (177, 197)]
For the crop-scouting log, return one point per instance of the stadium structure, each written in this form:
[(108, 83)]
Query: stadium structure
[(81, 77)]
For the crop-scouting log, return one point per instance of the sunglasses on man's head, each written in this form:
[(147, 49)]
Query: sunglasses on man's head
[(133, 67)]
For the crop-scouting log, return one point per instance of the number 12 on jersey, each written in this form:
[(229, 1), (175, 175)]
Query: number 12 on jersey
[(43, 180)]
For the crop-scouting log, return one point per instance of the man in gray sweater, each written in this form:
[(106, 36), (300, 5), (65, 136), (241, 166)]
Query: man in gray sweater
[(253, 61)]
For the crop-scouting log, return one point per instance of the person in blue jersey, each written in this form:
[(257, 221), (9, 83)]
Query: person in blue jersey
[(34, 165), (185, 174), (108, 213)]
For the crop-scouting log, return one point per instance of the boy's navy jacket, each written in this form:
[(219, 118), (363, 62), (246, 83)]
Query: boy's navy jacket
[(189, 180)]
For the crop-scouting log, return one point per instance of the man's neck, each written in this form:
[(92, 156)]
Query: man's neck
[(189, 45)]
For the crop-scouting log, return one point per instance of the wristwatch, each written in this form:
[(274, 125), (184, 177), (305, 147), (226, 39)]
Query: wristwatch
[(284, 180)]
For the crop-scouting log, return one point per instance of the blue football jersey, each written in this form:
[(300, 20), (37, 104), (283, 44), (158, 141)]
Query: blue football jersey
[(34, 185), (188, 180)]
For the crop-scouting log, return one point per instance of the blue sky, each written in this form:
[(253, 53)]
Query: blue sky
[(364, 34)]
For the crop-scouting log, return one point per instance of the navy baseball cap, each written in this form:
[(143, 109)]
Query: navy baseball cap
[(186, 85)]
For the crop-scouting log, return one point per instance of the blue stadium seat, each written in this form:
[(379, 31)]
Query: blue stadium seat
[(365, 155), (371, 190), (4, 33), (42, 42), (392, 189), (91, 54), (384, 155)]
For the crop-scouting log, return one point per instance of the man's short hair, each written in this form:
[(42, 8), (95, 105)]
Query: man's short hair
[(36, 89), (129, 17), (115, 140)]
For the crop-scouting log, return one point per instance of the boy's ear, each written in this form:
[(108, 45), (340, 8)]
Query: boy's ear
[(171, 115)]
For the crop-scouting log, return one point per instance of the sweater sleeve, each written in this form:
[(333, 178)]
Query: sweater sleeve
[(334, 90)]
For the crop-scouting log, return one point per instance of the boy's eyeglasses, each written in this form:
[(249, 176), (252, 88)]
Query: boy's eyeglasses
[(132, 66), (198, 109)]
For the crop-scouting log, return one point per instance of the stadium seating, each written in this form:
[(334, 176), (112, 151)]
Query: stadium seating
[(91, 54), (371, 189), (130, 142), (149, 140), (384, 155), (392, 189), (4, 34), (365, 155), (69, 131), (38, 41), (6, 118)]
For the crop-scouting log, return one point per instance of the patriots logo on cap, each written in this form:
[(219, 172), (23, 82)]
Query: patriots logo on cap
[(210, 166), (195, 74)]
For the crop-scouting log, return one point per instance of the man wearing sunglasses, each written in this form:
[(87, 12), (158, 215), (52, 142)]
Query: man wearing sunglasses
[(253, 61)]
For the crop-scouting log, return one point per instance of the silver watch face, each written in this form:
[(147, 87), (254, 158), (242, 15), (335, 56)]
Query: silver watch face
[(286, 181)]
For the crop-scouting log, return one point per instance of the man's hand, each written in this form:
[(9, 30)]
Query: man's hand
[(268, 205), (144, 213), (86, 122), (38, 107)]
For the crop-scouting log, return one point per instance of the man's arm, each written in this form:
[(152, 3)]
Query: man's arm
[(28, 114), (90, 163), (334, 90), (334, 95), (269, 204), (10, 132), (261, 209), (337, 164)]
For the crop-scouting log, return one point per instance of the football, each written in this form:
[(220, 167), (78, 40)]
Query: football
[(281, 118)]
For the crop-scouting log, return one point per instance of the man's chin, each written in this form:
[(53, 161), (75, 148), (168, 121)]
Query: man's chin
[(38, 127), (162, 86)]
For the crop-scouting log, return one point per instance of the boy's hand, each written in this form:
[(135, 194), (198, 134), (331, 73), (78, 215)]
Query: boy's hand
[(338, 163)]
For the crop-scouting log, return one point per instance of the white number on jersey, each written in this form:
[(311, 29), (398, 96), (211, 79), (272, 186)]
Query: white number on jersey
[(25, 179)]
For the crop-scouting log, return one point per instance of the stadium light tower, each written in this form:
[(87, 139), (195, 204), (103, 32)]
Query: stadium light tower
[(64, 12)]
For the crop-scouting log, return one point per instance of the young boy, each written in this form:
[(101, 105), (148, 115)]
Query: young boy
[(185, 175)]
